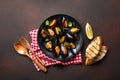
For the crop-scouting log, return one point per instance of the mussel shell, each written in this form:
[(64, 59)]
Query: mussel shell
[(76, 36), (72, 45), (48, 45), (69, 35), (62, 39), (43, 33), (63, 19), (58, 31), (67, 29), (51, 32), (64, 50), (45, 30), (74, 30), (54, 41), (57, 50), (53, 22)]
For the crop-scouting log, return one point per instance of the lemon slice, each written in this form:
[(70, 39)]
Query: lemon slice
[(89, 31)]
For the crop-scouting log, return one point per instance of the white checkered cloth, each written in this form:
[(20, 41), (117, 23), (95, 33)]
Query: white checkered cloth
[(47, 60)]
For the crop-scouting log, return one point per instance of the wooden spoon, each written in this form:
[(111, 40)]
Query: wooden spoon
[(23, 51), (26, 44)]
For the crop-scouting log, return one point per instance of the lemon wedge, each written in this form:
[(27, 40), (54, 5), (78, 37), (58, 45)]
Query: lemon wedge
[(89, 32)]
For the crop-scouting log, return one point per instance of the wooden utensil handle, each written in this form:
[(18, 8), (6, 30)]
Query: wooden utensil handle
[(43, 68), (40, 60), (40, 66), (36, 56)]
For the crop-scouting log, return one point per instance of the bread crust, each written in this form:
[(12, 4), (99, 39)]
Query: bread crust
[(101, 54), (94, 47), (99, 57), (95, 51)]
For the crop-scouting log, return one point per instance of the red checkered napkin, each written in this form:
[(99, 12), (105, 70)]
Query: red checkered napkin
[(49, 61)]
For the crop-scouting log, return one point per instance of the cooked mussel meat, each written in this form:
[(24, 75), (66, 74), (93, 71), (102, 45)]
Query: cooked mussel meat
[(57, 50), (51, 32), (62, 39), (64, 24), (43, 33), (53, 22), (58, 30), (63, 49), (48, 45), (74, 30), (72, 45)]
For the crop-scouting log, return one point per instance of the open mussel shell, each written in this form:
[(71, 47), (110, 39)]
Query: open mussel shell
[(64, 50), (74, 30), (51, 32), (48, 45), (53, 22), (58, 31), (61, 38), (72, 45), (48, 31), (69, 35), (57, 50)]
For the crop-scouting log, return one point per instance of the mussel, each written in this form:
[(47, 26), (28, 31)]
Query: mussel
[(58, 30), (64, 24), (63, 49), (69, 35), (43, 33), (51, 32), (72, 45), (57, 50), (48, 45), (74, 30), (53, 22), (63, 19), (76, 37), (62, 39)]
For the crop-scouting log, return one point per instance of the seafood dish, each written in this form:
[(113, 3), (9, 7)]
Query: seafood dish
[(60, 37)]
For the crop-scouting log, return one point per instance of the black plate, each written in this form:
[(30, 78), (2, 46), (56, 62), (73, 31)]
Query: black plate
[(71, 52)]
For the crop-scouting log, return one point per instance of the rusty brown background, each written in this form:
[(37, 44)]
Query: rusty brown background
[(18, 17)]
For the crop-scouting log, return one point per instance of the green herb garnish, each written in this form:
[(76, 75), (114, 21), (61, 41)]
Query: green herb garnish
[(47, 39), (60, 30), (67, 44), (69, 24), (47, 23)]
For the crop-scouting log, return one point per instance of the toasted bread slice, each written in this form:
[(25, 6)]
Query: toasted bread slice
[(89, 61), (99, 57), (101, 54), (94, 47)]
